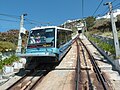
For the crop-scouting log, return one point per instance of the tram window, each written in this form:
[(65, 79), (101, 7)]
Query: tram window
[(69, 36), (62, 37), (42, 37)]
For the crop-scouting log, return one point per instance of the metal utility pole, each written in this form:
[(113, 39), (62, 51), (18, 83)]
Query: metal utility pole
[(18, 51), (85, 26), (115, 37)]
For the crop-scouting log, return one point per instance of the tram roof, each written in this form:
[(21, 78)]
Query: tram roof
[(43, 27)]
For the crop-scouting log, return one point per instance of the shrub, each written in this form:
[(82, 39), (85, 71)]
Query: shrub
[(8, 61), (103, 45)]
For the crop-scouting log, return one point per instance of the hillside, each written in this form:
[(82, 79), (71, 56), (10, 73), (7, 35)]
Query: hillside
[(103, 27), (9, 40), (9, 36)]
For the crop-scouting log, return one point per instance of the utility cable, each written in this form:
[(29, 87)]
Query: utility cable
[(97, 7), (12, 16), (82, 8), (32, 20), (116, 5), (29, 22), (113, 1), (105, 11), (8, 20), (36, 22)]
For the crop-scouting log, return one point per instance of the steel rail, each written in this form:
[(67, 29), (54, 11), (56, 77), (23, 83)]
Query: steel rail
[(31, 73), (78, 69), (32, 83), (20, 80), (97, 70), (38, 80), (87, 71)]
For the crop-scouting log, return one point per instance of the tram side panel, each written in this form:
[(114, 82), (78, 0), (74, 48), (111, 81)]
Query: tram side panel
[(63, 42)]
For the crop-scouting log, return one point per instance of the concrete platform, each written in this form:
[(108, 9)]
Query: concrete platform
[(63, 78), (2, 81), (58, 80)]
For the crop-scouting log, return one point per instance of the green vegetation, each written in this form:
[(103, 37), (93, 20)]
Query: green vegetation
[(7, 46), (102, 26), (74, 29), (10, 36), (90, 21), (103, 45), (9, 40), (8, 61)]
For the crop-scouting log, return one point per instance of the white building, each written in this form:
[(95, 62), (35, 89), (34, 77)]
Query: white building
[(115, 13)]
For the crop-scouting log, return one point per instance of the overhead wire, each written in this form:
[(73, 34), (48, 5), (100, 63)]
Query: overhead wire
[(82, 8), (32, 20), (116, 6), (18, 17), (27, 21), (36, 22), (113, 1), (97, 8), (12, 16), (8, 20), (105, 11)]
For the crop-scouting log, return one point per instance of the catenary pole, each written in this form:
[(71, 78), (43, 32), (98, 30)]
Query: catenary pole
[(114, 31), (18, 51)]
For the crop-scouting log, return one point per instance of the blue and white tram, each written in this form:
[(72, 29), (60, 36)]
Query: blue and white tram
[(48, 43)]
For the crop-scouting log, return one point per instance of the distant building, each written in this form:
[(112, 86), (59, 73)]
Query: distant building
[(70, 23), (80, 26), (115, 13)]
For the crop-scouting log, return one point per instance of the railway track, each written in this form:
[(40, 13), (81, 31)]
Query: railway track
[(84, 57), (29, 81)]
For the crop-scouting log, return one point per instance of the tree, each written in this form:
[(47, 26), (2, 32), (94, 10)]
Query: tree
[(90, 21)]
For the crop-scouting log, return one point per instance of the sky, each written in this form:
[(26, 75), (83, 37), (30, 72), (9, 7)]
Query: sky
[(42, 12)]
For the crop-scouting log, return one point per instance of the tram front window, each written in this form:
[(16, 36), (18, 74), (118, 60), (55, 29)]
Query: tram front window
[(42, 37)]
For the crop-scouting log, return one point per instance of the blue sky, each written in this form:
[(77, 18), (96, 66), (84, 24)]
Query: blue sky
[(54, 12)]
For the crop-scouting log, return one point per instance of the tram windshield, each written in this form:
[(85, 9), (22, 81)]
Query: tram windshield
[(42, 37)]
